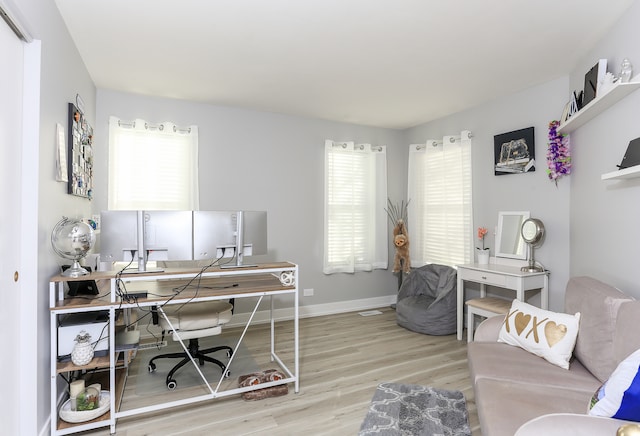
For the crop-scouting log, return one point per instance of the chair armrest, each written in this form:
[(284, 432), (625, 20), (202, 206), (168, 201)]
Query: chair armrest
[(489, 329), (557, 424)]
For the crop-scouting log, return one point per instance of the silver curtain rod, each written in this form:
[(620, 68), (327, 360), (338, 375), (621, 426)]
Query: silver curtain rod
[(148, 126), (357, 146), (452, 139)]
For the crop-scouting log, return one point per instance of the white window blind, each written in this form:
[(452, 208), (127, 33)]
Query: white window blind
[(152, 167), (355, 222), (440, 208)]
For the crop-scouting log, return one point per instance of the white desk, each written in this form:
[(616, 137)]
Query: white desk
[(263, 281), (502, 276)]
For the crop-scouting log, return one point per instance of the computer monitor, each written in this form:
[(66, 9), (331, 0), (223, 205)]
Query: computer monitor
[(230, 234), (142, 236)]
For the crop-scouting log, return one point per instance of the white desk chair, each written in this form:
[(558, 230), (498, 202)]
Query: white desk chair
[(485, 306), (193, 321)]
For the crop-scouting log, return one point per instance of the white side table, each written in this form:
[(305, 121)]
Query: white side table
[(502, 276)]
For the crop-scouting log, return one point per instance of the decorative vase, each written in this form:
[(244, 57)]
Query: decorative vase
[(83, 350), (483, 256), (626, 69)]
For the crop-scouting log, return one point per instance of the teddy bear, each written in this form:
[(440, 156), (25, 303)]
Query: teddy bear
[(401, 242)]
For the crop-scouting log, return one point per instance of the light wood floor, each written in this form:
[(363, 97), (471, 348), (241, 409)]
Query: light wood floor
[(342, 359)]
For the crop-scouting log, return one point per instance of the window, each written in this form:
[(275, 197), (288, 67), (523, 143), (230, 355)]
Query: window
[(440, 210), (355, 222), (152, 167)]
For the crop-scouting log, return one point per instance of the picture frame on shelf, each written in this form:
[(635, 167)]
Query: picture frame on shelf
[(594, 76)]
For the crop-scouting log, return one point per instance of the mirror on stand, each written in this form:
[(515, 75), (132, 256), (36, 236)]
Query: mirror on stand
[(509, 241)]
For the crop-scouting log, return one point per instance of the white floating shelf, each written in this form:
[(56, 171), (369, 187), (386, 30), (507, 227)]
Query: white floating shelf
[(599, 105), (627, 173)]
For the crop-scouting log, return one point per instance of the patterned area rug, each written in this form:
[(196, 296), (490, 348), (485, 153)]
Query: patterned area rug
[(399, 409)]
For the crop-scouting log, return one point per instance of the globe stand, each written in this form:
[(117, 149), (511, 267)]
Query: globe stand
[(76, 270)]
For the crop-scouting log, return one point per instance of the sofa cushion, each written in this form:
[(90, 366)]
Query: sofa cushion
[(619, 397), (550, 335), (627, 339), (503, 406), (512, 364), (598, 304)]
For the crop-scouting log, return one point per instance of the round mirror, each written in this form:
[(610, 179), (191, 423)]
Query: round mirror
[(532, 232)]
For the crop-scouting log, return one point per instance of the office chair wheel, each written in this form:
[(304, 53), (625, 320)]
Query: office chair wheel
[(151, 367), (172, 384)]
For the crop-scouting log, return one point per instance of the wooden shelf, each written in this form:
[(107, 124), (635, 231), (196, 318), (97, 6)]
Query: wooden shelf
[(627, 173), (599, 105), (103, 420), (100, 362)]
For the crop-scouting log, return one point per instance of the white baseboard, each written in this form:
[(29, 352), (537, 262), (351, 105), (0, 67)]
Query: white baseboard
[(262, 317)]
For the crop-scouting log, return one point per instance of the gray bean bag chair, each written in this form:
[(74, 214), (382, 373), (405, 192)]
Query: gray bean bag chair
[(427, 300)]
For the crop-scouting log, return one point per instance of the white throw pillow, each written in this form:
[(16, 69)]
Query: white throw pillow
[(550, 335), (619, 396)]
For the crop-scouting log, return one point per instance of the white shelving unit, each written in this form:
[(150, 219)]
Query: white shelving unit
[(599, 105), (627, 173)]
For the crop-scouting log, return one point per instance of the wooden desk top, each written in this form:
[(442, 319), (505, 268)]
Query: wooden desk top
[(99, 275), (165, 286)]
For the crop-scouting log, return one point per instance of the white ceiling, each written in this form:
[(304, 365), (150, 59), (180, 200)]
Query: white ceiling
[(387, 63)]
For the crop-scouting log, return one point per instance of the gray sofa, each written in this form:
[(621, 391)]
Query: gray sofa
[(519, 393)]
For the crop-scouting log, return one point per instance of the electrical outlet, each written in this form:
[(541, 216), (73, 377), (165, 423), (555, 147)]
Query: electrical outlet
[(307, 292)]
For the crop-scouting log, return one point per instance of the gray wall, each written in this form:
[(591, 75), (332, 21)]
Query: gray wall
[(264, 161), (604, 215), (532, 191)]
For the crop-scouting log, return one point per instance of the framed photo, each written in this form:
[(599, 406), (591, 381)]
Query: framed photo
[(514, 152), (591, 80)]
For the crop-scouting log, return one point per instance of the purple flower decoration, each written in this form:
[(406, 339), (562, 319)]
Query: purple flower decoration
[(558, 154)]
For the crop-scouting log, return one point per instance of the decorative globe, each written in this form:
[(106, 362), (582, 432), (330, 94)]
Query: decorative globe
[(72, 239)]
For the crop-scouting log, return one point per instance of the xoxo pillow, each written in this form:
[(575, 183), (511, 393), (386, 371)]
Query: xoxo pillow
[(550, 335)]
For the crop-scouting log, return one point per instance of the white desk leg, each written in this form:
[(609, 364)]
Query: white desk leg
[(520, 292), (544, 297), (483, 290), (296, 339), (460, 292)]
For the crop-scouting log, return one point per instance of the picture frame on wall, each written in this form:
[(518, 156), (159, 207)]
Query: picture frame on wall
[(79, 154), (514, 152)]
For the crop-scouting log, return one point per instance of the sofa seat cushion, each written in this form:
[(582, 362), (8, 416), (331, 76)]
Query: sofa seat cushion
[(503, 406), (504, 362)]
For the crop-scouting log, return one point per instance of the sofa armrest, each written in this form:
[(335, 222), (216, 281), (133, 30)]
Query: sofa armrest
[(489, 329), (563, 424)]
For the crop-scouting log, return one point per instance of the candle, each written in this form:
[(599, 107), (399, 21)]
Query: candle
[(97, 387), (76, 388)]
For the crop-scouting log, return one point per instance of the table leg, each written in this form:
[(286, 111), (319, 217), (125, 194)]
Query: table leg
[(460, 308)]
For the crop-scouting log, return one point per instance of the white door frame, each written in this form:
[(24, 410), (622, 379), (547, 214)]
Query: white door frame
[(26, 300)]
